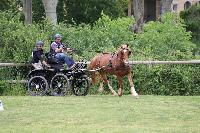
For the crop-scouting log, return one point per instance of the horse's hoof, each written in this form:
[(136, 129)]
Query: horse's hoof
[(115, 94), (119, 95), (136, 97), (134, 93)]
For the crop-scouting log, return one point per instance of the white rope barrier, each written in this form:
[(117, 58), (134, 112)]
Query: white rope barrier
[(130, 62)]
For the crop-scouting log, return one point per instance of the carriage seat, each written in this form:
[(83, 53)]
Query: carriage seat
[(53, 62)]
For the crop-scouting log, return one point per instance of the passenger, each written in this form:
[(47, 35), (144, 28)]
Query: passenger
[(58, 51), (38, 56)]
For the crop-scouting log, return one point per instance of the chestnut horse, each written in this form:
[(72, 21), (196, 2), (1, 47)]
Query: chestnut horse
[(113, 64)]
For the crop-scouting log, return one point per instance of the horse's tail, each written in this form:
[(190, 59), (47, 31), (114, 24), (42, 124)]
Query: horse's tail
[(94, 75), (92, 67)]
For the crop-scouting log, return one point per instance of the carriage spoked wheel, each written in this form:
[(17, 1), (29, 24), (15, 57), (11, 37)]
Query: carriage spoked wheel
[(37, 86), (80, 86), (59, 85)]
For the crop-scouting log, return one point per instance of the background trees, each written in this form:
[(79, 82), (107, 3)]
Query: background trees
[(192, 21), (13, 5), (38, 11), (166, 39), (79, 11), (5, 4), (88, 11), (50, 10)]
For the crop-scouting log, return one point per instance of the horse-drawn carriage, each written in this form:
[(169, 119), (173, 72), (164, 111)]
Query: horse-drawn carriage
[(57, 80)]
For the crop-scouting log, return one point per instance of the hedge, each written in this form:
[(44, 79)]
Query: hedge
[(161, 40)]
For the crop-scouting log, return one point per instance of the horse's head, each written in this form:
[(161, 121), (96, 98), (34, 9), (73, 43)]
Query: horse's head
[(124, 53)]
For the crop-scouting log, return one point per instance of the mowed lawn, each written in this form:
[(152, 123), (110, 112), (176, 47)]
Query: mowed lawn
[(100, 114)]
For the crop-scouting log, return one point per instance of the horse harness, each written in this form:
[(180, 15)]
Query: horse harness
[(110, 61), (110, 64)]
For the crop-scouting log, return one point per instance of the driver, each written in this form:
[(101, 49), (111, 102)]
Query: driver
[(58, 51)]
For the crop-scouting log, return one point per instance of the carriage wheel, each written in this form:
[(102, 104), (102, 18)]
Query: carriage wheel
[(80, 86), (37, 86), (59, 85)]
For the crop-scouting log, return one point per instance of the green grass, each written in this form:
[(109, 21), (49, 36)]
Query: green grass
[(103, 114)]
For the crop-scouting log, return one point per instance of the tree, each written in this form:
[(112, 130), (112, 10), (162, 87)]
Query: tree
[(138, 8), (13, 5), (191, 17), (38, 11), (50, 10), (5, 4), (88, 11), (27, 9)]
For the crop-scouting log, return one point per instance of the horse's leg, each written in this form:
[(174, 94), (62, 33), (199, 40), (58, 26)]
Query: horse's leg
[(111, 89), (101, 87), (104, 77), (120, 82), (95, 77), (133, 92)]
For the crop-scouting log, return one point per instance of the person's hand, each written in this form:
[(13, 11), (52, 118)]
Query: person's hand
[(69, 50), (48, 66), (62, 49)]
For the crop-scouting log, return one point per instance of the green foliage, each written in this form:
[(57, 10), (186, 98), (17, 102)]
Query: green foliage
[(3, 87), (18, 39), (8, 74), (16, 89), (71, 11), (38, 11), (191, 17), (9, 5), (88, 11), (12, 89), (89, 40), (165, 40), (5, 4), (167, 80)]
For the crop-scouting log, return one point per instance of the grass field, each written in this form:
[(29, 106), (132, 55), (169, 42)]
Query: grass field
[(103, 114)]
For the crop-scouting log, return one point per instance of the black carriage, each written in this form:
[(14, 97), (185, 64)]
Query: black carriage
[(57, 81)]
